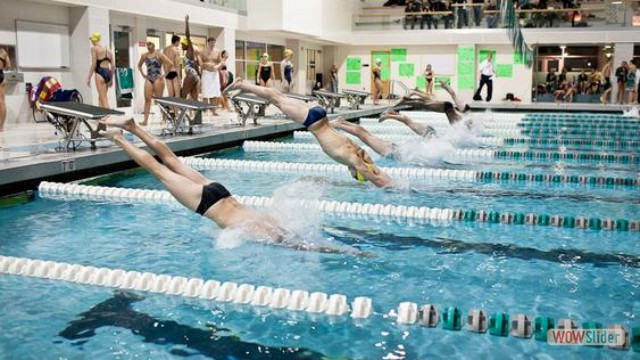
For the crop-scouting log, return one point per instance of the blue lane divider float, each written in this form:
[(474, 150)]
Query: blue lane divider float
[(376, 211)]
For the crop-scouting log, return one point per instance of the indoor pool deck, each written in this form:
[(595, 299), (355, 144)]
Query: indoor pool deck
[(28, 152)]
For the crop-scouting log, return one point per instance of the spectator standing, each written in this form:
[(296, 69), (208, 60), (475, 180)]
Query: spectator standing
[(552, 81), (427, 6), (478, 6), (631, 85), (621, 79), (492, 18), (583, 82), (461, 12), (486, 77)]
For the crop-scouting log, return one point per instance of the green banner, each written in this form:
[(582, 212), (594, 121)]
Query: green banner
[(399, 55), (466, 69), (421, 82), (504, 70), (442, 78), (518, 58), (466, 54), (354, 78), (354, 64), (407, 70), (482, 55), (465, 83)]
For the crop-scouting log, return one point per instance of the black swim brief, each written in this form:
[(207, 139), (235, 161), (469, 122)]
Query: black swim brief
[(1, 76), (171, 75), (211, 194)]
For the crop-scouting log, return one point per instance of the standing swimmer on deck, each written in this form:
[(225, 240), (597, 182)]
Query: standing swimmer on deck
[(197, 193), (191, 82), (336, 145)]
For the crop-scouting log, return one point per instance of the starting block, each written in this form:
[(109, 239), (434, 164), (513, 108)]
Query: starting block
[(328, 100), (355, 98), (255, 106), (178, 122)]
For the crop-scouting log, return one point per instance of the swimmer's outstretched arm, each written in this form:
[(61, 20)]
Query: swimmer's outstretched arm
[(418, 128)]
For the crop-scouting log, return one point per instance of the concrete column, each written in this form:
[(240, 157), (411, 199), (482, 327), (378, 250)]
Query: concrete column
[(139, 47), (83, 22), (622, 52), (226, 40)]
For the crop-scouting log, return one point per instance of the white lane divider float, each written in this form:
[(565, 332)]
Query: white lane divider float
[(278, 146), (100, 193), (323, 169), (485, 141), (244, 294)]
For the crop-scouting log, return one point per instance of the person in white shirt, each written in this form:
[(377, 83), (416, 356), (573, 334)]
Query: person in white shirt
[(486, 77)]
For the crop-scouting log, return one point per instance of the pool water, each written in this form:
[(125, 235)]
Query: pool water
[(536, 270)]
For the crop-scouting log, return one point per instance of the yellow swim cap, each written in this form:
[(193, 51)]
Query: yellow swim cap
[(360, 177), (184, 42), (288, 52), (95, 37)]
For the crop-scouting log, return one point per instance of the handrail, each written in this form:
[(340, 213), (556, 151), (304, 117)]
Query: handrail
[(519, 11)]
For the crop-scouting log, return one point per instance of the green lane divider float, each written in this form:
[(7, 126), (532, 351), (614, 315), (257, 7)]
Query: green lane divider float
[(549, 178), (617, 158), (17, 199), (504, 325), (577, 143)]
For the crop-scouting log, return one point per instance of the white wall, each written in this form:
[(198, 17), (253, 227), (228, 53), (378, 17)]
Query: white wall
[(18, 110), (264, 15), (303, 17)]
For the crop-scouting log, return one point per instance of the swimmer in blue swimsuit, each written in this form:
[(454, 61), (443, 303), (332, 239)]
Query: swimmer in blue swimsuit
[(154, 86), (339, 147), (103, 66), (201, 195)]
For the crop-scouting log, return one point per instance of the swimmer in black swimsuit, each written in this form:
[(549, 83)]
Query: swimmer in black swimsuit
[(172, 52), (314, 118), (5, 64), (265, 70), (103, 66), (199, 194)]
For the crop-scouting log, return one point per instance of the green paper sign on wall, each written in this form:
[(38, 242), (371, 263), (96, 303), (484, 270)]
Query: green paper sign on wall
[(354, 64), (399, 55), (442, 78), (504, 70), (482, 55), (465, 54), (354, 78), (407, 70), (465, 83)]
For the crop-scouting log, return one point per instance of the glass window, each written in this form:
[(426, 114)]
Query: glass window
[(255, 50), (240, 69), (311, 65), (276, 53), (239, 50)]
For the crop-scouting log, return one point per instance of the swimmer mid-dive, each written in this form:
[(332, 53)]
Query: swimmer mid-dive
[(197, 193), (418, 100), (382, 147), (339, 147)]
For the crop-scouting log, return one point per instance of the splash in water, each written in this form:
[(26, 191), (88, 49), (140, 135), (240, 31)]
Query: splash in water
[(295, 208)]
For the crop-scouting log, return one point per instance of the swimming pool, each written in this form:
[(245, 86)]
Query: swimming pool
[(499, 265)]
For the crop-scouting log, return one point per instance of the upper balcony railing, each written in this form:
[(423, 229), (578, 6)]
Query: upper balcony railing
[(235, 6), (465, 16)]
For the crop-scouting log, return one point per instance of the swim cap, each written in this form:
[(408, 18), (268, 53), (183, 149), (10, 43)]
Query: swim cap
[(184, 42), (360, 177), (95, 37), (288, 52), (378, 61)]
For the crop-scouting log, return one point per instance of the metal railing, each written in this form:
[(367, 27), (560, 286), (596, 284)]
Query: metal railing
[(395, 18), (236, 6)]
